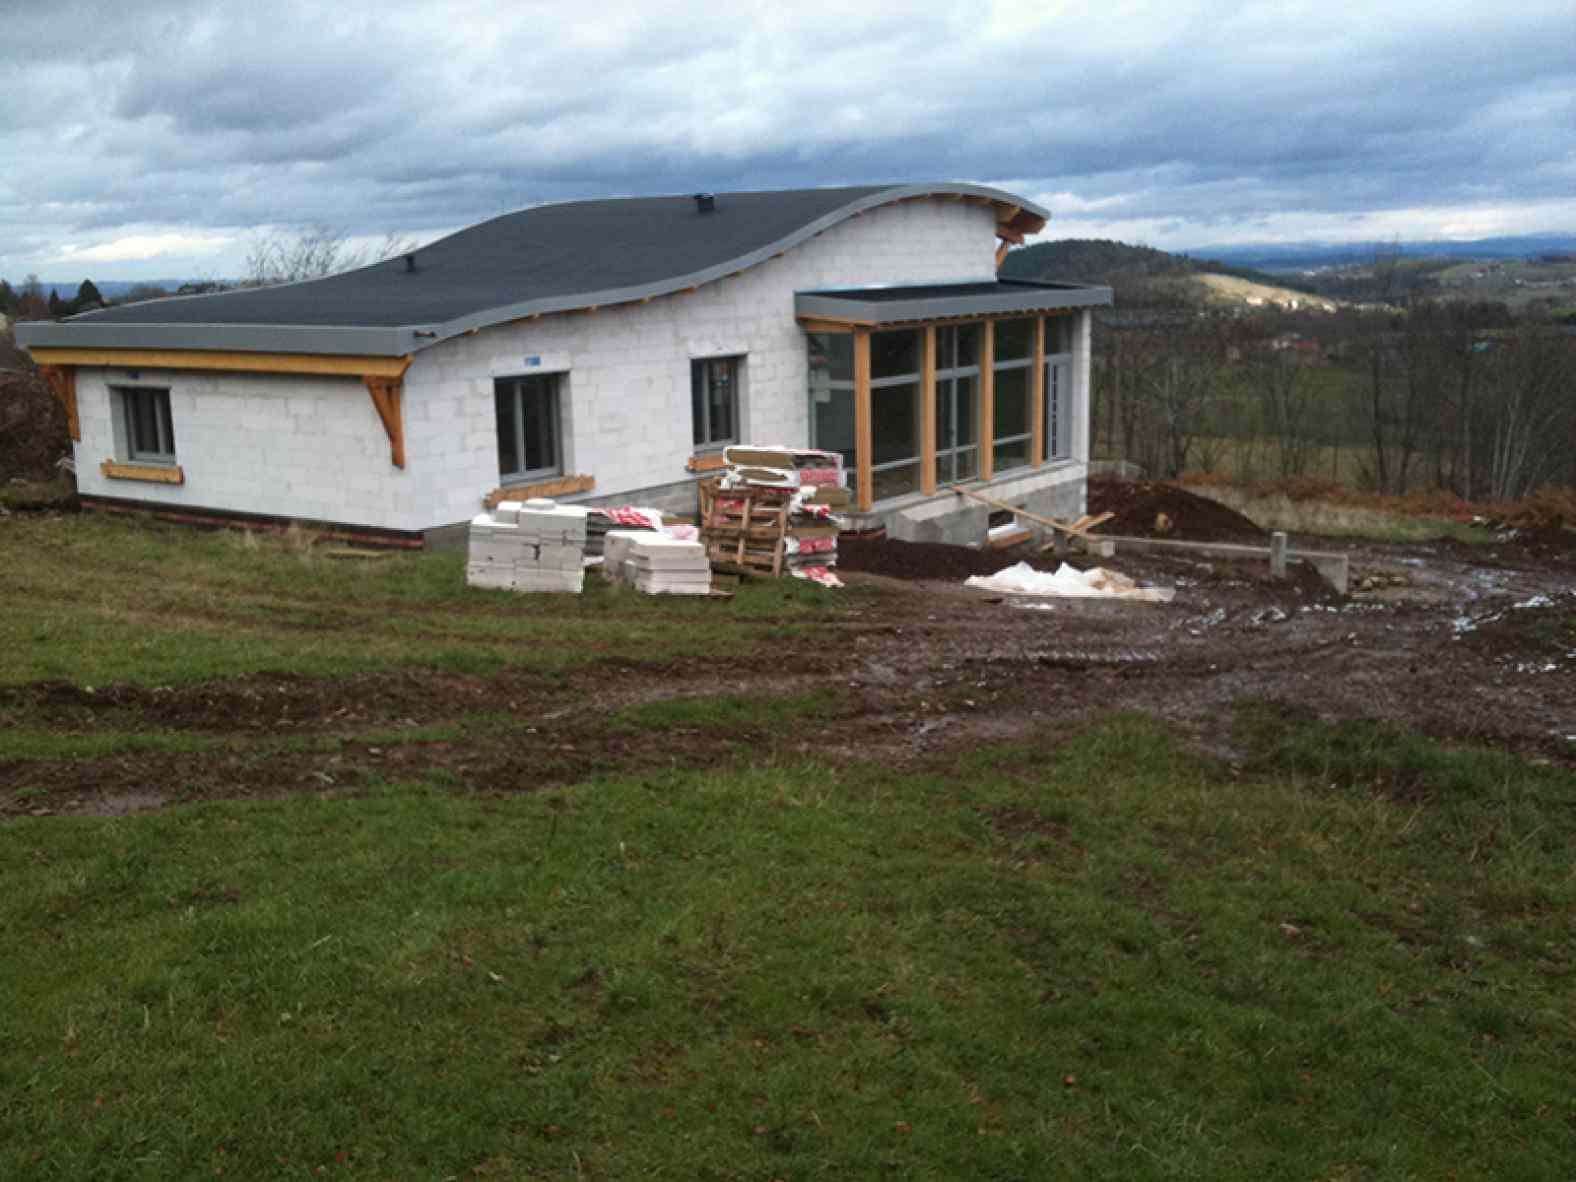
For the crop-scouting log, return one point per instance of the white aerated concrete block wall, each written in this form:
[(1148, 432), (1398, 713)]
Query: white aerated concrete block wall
[(282, 445), (625, 389)]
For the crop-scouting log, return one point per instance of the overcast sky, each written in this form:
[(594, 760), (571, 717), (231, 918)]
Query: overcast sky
[(157, 137)]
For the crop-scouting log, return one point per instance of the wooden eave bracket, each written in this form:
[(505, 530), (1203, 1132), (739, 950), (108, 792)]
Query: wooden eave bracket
[(62, 381), (387, 395)]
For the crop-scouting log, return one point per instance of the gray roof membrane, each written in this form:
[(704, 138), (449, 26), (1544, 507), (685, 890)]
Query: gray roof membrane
[(937, 301), (550, 258)]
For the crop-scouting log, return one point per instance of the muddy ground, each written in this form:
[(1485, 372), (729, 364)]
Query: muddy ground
[(1465, 643)]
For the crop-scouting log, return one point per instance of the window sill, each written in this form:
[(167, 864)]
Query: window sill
[(152, 473), (708, 461), (553, 486)]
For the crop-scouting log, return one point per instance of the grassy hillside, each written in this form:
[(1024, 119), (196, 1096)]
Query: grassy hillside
[(1140, 275)]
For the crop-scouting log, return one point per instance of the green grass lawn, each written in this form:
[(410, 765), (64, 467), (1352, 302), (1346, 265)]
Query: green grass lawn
[(95, 601), (1348, 955), (1351, 959)]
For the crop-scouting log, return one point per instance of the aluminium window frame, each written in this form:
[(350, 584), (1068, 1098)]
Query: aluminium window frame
[(1059, 385), (700, 388), (1026, 436), (915, 379), (515, 384), (951, 374), (163, 424)]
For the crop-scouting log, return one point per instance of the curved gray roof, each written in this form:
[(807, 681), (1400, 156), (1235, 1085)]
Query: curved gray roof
[(551, 258)]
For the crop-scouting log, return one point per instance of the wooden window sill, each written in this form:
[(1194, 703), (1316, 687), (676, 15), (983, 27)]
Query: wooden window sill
[(556, 486), (710, 461), (152, 473)]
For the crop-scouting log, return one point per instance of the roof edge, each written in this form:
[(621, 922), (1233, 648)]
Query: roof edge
[(1025, 217), (231, 338)]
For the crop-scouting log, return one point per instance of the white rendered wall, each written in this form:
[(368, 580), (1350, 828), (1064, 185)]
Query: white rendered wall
[(314, 447), (282, 445), (625, 394)]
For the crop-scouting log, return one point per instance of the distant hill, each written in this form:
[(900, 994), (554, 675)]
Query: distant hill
[(1143, 276), (1311, 256)]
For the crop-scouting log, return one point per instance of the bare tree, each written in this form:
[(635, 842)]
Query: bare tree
[(1287, 401), (312, 253)]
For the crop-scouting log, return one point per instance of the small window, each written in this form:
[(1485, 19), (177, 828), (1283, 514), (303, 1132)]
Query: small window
[(714, 401), (150, 431), (528, 434)]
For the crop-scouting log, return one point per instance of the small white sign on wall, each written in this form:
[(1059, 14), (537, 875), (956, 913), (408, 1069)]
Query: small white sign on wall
[(503, 365)]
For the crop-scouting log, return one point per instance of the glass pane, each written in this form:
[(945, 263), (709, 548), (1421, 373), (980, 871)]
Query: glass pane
[(1012, 402), (145, 439), (538, 406), (1012, 455), (968, 410), (722, 400), (895, 482), (167, 427), (1014, 339), (698, 402), (1058, 334), (968, 463), (968, 345), (1058, 404), (894, 422), (832, 422), (893, 354), (503, 403), (832, 356)]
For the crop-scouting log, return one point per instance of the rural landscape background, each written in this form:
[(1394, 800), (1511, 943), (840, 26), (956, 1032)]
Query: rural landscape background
[(319, 863)]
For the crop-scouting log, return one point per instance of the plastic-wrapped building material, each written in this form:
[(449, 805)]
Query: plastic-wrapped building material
[(535, 545), (1068, 583)]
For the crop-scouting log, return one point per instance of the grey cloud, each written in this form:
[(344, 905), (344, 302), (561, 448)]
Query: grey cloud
[(226, 116)]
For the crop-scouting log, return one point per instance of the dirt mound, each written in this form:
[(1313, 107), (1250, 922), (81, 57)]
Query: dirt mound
[(920, 560), (1148, 509), (33, 431)]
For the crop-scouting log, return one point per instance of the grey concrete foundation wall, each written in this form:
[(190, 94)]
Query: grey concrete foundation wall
[(1059, 492)]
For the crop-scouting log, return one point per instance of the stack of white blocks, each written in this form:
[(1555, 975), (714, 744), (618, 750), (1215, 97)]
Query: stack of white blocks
[(616, 548), (659, 565), (536, 545)]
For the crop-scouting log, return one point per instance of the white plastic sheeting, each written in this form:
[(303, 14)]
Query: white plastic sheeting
[(1067, 583)]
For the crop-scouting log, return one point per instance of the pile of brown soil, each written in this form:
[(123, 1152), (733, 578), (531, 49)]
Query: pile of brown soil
[(1149, 509), (33, 431), (920, 560)]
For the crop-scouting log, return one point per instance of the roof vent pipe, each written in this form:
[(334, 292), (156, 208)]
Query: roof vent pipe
[(410, 262), (705, 202)]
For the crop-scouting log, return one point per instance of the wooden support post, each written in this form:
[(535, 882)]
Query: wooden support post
[(1037, 396), (927, 414), (987, 399), (386, 395), (864, 450), (1001, 253), (62, 381)]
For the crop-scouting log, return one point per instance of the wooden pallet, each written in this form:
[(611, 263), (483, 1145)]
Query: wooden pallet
[(744, 528)]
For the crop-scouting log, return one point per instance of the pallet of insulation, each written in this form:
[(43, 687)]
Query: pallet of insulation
[(535, 545)]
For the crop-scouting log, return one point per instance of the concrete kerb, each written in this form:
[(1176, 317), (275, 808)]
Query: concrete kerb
[(1333, 568)]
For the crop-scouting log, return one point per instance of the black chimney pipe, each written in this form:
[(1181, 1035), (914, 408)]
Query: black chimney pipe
[(705, 202)]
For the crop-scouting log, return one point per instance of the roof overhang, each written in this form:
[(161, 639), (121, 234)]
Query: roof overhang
[(223, 338), (879, 307)]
